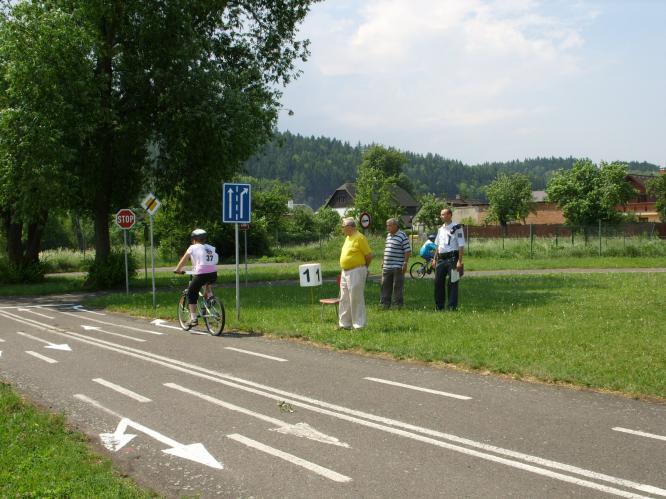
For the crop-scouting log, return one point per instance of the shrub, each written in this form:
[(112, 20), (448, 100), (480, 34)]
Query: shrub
[(110, 274), (25, 274)]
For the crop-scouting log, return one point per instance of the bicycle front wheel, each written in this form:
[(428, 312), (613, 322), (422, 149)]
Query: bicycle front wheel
[(183, 313), (417, 270), (215, 317)]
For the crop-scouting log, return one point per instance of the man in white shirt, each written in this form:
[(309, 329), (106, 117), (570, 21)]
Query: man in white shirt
[(450, 243)]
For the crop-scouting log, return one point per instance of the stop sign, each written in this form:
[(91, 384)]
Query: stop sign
[(125, 218)]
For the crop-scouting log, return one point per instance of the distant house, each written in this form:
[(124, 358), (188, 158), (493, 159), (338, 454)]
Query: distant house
[(644, 205), (475, 212), (342, 200)]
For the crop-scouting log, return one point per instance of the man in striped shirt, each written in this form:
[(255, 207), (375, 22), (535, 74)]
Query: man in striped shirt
[(394, 265)]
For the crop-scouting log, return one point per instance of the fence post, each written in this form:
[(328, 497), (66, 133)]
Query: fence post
[(599, 237), (557, 235), (468, 250), (531, 242)]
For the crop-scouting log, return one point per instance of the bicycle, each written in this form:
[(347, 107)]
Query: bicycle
[(211, 310), (419, 269)]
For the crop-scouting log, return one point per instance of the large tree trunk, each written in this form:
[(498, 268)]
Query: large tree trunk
[(104, 189), (22, 254)]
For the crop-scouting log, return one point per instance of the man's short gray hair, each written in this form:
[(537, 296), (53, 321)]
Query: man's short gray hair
[(393, 221), (348, 222)]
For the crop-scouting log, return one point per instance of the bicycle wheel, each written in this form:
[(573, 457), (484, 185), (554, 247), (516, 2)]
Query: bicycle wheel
[(183, 312), (417, 270), (215, 316)]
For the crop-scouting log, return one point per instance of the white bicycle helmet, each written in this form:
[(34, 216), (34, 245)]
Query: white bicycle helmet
[(199, 234)]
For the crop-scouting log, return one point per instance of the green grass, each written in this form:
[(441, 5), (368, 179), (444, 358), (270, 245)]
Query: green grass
[(604, 331), (41, 457)]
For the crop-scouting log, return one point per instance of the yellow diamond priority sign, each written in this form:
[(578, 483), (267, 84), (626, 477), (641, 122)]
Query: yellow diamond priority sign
[(151, 204)]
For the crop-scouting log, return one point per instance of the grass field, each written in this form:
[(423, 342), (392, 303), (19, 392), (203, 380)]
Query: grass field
[(603, 331), (41, 457)]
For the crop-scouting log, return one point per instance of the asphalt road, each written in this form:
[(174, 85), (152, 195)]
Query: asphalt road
[(247, 416)]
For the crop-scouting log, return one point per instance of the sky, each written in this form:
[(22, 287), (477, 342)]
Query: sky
[(486, 80)]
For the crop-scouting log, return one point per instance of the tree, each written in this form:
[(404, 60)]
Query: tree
[(428, 214), (657, 187), (42, 125), (587, 194), (510, 199), (374, 187), (184, 91)]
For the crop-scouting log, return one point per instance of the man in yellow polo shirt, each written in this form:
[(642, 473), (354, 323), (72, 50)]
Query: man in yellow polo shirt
[(354, 260)]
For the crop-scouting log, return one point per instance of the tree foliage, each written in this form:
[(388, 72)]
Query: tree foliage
[(377, 174), (510, 198), (181, 92), (587, 194), (428, 213), (657, 187)]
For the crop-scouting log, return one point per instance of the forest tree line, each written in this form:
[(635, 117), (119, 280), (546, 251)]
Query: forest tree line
[(315, 166)]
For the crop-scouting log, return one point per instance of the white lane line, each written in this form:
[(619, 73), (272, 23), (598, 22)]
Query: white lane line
[(14, 307), (95, 328), (640, 433), (370, 420), (299, 429), (248, 352), (120, 389), (320, 470), (35, 313), (42, 357), (1, 340), (131, 328), (420, 389)]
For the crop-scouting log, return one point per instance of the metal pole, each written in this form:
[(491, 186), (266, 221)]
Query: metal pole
[(245, 235), (152, 262), (126, 270), (237, 277)]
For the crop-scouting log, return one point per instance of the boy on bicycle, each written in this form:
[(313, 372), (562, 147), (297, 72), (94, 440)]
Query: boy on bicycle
[(429, 248), (204, 260)]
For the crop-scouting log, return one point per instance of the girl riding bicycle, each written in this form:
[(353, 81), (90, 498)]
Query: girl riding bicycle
[(204, 260)]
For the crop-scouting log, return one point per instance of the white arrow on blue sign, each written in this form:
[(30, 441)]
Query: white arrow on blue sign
[(236, 203)]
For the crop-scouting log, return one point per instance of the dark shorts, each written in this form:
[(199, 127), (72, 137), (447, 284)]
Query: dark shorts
[(198, 282)]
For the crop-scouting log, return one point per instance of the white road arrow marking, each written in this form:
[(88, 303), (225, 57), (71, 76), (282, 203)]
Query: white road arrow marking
[(36, 313), (230, 193), (163, 323), (95, 328), (117, 439), (299, 429), (242, 193), (97, 321), (53, 346), (81, 309), (194, 452)]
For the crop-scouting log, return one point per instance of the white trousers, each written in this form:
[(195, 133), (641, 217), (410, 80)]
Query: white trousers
[(352, 297)]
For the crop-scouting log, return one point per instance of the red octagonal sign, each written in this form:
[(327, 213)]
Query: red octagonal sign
[(125, 218)]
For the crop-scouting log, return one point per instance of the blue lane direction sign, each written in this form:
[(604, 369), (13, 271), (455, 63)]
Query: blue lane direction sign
[(236, 203)]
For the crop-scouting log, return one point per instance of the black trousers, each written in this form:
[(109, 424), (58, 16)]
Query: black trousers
[(443, 284)]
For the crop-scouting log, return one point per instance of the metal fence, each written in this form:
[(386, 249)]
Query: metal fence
[(601, 239)]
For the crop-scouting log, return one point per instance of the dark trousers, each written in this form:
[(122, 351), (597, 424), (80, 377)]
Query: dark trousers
[(442, 278), (393, 284)]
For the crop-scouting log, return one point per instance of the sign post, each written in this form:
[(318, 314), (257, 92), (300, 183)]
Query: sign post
[(151, 204), (310, 276), (125, 219), (236, 209)]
